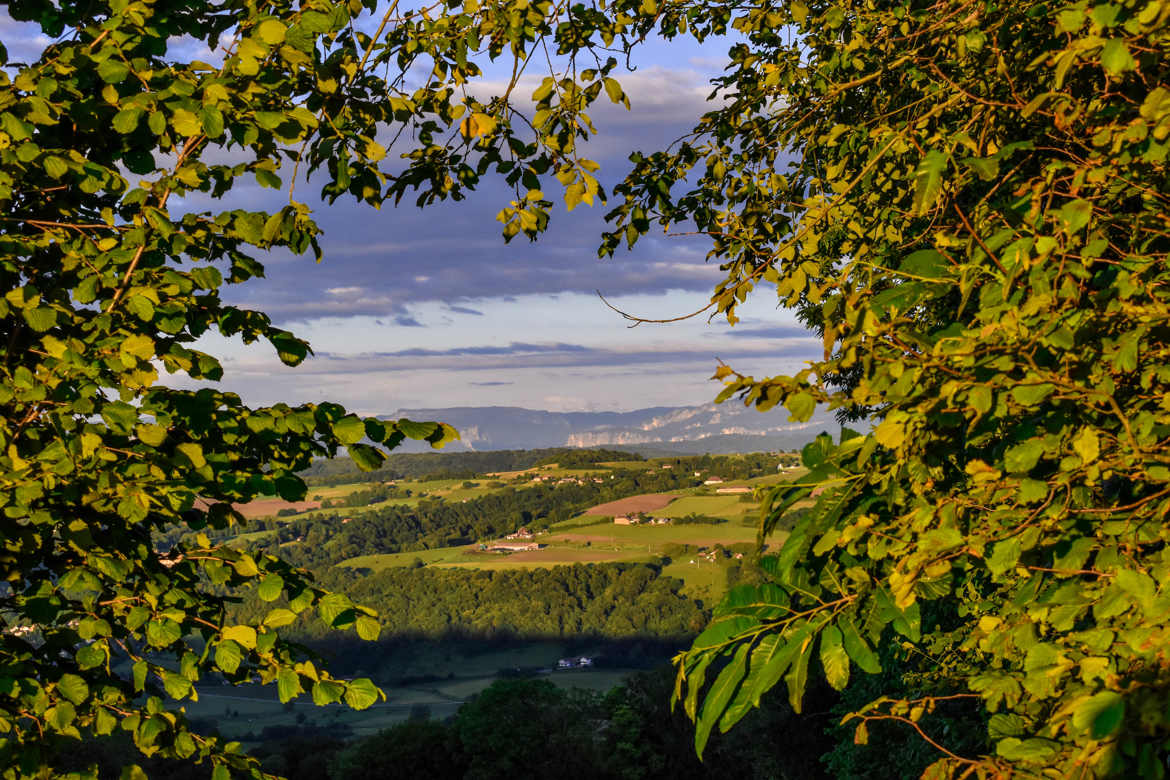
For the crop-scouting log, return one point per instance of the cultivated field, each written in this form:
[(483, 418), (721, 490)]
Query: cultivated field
[(647, 502), (264, 507)]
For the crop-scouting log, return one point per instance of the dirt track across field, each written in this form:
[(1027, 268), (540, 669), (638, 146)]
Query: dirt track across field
[(647, 502)]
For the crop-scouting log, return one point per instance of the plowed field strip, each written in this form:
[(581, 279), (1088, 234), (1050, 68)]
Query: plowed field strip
[(647, 502)]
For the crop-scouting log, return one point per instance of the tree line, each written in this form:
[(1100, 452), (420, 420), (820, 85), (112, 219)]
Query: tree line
[(438, 465), (612, 600)]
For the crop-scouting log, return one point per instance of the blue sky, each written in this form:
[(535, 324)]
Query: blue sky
[(431, 308)]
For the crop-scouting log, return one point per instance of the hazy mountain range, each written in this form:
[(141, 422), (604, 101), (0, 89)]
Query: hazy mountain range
[(657, 430)]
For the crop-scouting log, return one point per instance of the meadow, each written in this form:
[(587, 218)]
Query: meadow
[(445, 678)]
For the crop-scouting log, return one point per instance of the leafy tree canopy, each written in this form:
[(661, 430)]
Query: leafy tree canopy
[(970, 200)]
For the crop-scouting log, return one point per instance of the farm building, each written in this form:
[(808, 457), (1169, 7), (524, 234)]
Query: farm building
[(713, 481), (735, 489), (575, 663)]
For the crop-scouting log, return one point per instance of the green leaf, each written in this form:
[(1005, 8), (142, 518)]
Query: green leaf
[(186, 123), (1022, 458), (1030, 395), (770, 662), (327, 692), (1075, 214), (1032, 750), (1100, 714), (802, 405), (163, 632), (928, 181), (925, 263), (280, 617), (361, 693), (721, 630), (192, 453), (126, 120), (817, 451), (228, 656), (270, 588), (212, 119), (241, 634), (288, 684), (366, 458), (858, 649), (1087, 445), (113, 71), (834, 658), (1004, 556), (1115, 57), (291, 350), (368, 628), (73, 688), (334, 606), (152, 435), (797, 675), (176, 685), (417, 430), (40, 318), (748, 694), (269, 120), (1137, 584), (271, 31), (91, 656), (718, 696), (349, 429), (61, 716)]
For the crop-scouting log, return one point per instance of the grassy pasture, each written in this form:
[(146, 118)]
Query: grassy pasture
[(697, 533), (379, 561), (704, 580), (728, 506), (337, 491), (631, 465)]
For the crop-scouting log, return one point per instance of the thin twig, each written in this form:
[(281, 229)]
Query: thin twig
[(639, 320)]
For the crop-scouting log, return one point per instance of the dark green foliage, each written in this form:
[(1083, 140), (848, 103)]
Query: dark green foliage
[(968, 200), (372, 495), (439, 465), (603, 600), (697, 519), (420, 748), (583, 459), (533, 729)]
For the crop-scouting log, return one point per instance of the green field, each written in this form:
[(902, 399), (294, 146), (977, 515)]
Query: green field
[(728, 506), (632, 465), (704, 580), (656, 535), (380, 561)]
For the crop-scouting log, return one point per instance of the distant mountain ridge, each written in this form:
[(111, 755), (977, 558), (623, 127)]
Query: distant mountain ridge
[(654, 430)]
